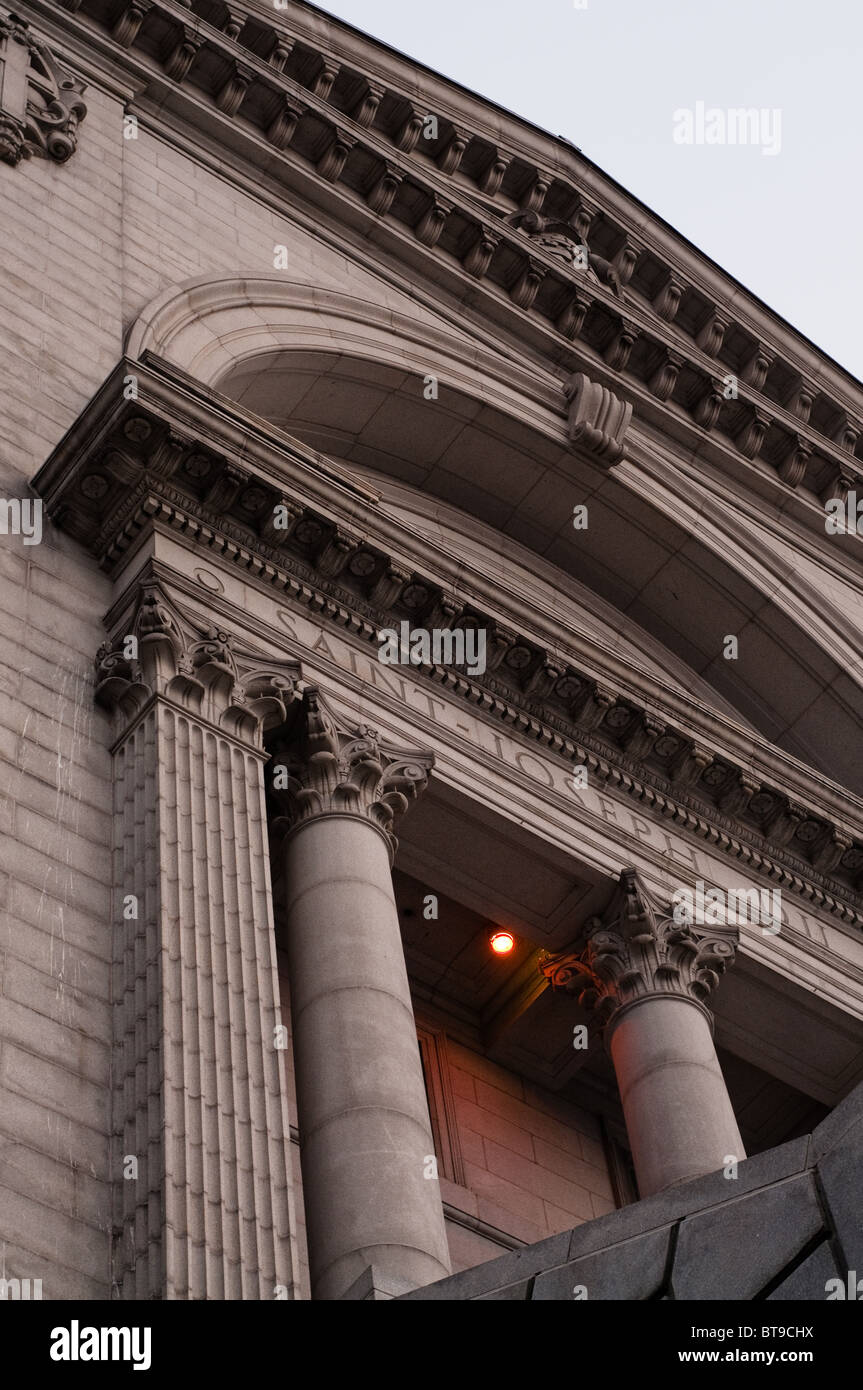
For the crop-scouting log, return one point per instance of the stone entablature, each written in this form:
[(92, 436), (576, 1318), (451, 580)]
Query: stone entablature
[(336, 124), (171, 459)]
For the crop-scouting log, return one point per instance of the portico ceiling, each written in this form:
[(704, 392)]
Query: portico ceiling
[(457, 979), (652, 571), (488, 872)]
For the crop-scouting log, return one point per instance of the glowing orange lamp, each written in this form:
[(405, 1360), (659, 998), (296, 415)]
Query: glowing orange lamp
[(502, 942)]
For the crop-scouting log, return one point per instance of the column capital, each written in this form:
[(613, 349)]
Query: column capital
[(323, 765), (202, 668), (638, 950)]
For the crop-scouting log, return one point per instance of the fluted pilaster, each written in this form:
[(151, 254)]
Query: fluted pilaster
[(198, 1097)]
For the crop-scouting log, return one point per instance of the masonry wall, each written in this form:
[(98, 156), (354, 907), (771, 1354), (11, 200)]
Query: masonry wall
[(86, 246), (533, 1164), (59, 332), (785, 1228)]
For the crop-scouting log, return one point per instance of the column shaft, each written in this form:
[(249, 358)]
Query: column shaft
[(676, 1107), (201, 1141), (366, 1142), (648, 971)]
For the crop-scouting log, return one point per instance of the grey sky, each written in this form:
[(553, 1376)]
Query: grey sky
[(610, 77)]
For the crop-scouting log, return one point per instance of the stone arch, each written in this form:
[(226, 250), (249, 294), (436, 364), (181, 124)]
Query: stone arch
[(799, 681), (209, 326)]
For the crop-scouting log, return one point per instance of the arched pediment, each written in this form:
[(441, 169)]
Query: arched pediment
[(683, 566)]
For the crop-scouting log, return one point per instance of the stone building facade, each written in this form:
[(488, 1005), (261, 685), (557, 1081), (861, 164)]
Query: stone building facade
[(303, 344)]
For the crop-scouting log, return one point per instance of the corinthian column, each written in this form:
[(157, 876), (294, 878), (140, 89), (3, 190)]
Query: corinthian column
[(648, 977), (203, 1198), (371, 1193)]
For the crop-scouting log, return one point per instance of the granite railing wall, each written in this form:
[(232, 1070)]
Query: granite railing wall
[(787, 1225)]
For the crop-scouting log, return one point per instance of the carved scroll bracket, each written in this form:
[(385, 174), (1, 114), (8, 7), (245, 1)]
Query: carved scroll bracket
[(41, 102), (598, 420)]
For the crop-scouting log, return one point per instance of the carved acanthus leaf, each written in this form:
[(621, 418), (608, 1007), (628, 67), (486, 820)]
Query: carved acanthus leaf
[(199, 668), (321, 765), (637, 950)]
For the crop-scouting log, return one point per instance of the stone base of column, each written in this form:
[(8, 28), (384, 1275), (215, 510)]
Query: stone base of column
[(375, 1286)]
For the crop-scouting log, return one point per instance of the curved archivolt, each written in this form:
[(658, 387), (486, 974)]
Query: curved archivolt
[(400, 393)]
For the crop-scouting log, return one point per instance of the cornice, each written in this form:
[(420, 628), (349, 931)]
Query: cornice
[(499, 376), (164, 460), (184, 405), (340, 155)]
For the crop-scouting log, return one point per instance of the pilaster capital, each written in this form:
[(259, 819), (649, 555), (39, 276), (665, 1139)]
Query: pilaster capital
[(323, 765), (638, 950), (201, 668)]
